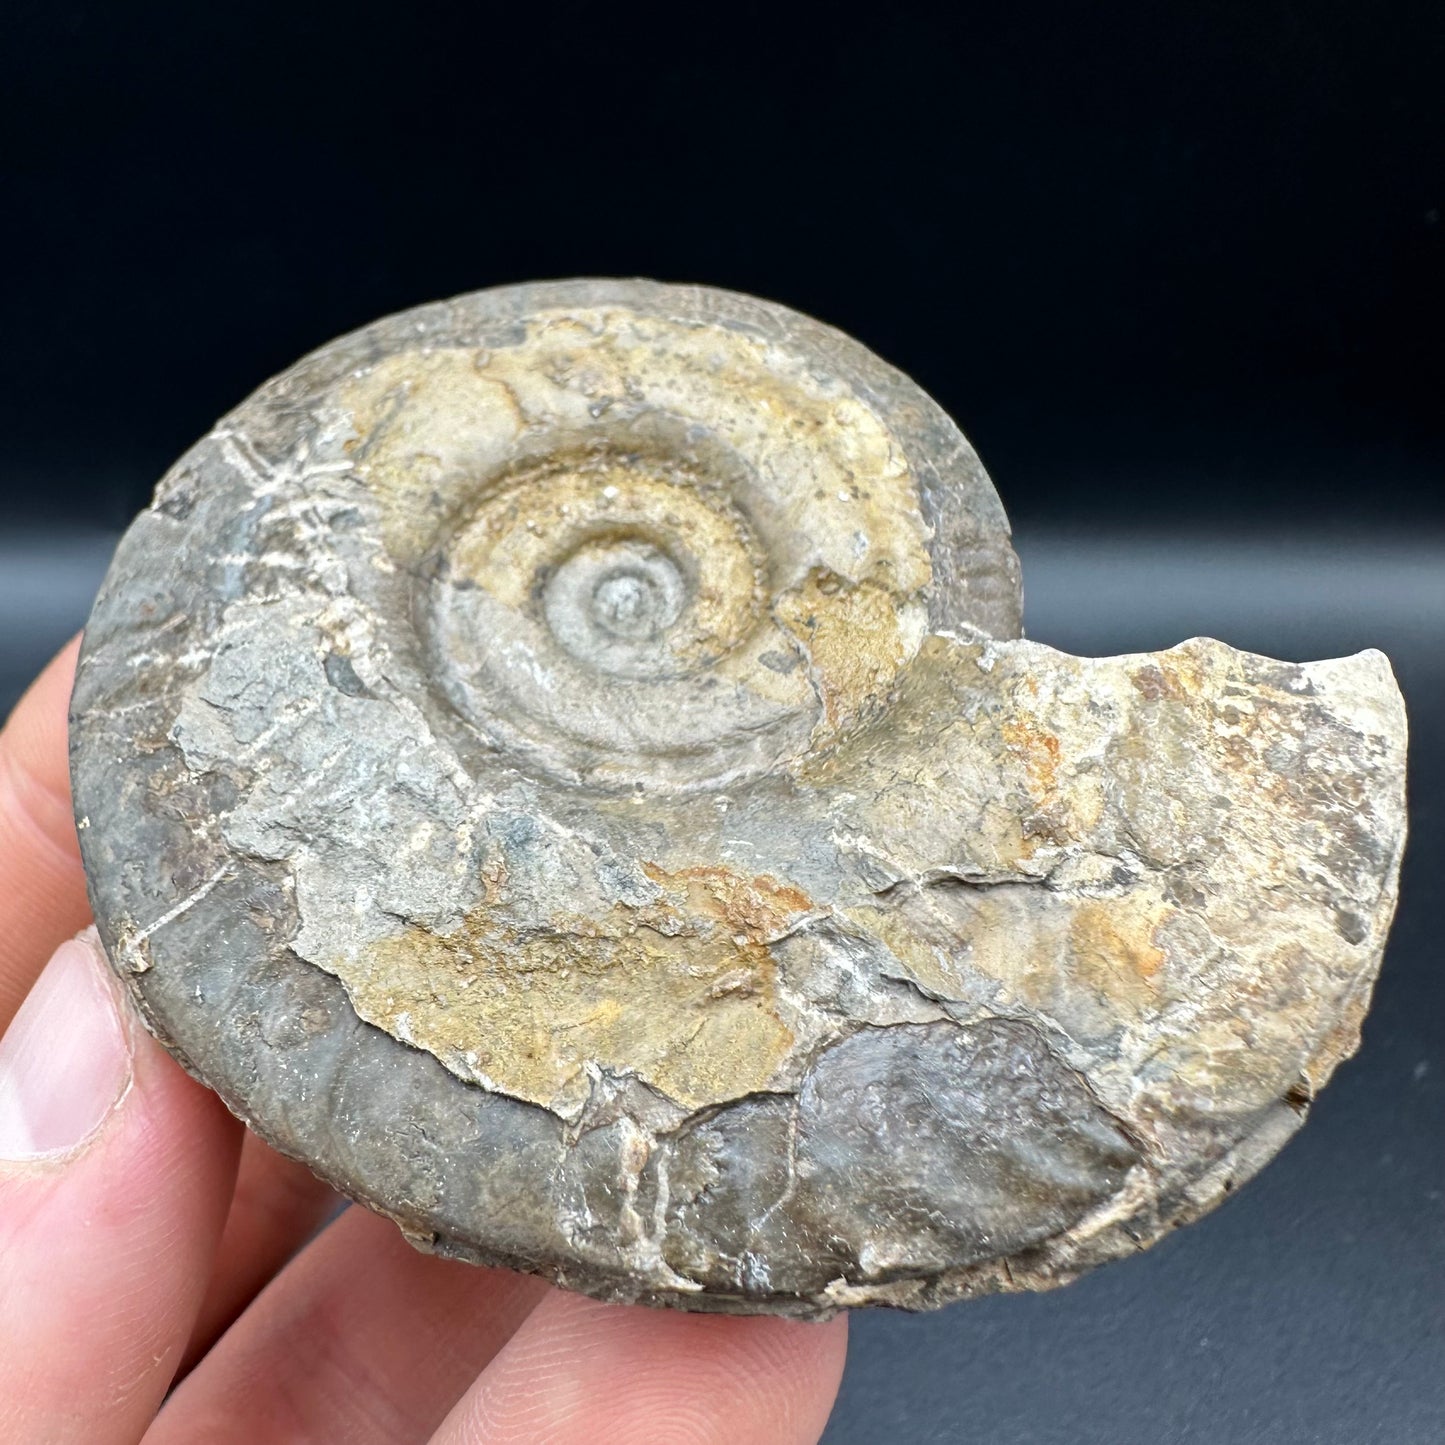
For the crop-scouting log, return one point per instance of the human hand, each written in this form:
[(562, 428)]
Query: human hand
[(161, 1273)]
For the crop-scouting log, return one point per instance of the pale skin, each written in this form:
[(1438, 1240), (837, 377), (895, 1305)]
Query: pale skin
[(166, 1278)]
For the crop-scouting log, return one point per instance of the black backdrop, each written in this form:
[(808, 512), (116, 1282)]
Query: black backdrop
[(1179, 270), (1194, 242)]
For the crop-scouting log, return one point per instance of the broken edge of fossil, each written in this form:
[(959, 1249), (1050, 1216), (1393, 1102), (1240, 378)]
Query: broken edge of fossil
[(556, 763)]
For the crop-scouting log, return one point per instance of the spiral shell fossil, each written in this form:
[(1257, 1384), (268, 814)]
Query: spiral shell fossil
[(563, 763)]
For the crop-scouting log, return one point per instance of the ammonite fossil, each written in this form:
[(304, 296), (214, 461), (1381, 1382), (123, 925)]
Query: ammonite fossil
[(562, 762)]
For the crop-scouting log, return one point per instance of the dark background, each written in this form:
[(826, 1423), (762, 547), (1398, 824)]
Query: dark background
[(1179, 271)]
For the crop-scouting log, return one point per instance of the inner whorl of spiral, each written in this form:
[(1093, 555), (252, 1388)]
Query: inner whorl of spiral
[(659, 553)]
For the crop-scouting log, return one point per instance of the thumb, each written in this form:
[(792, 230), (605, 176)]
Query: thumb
[(115, 1174)]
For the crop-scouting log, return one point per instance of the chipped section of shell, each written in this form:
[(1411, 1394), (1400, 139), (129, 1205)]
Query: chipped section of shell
[(680, 992), (1094, 841)]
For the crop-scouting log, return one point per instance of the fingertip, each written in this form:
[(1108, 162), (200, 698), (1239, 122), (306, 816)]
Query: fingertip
[(65, 1060), (111, 1202)]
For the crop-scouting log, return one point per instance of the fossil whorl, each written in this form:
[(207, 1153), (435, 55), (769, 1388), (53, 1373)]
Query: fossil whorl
[(561, 762)]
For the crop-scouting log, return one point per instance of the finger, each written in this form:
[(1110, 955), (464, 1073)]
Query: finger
[(579, 1371), (278, 1205), (42, 887), (115, 1173), (359, 1339)]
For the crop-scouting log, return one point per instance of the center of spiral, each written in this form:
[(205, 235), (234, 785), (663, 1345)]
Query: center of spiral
[(605, 613), (611, 602), (627, 604)]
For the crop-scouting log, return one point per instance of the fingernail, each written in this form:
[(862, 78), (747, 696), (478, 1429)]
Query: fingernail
[(65, 1060)]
